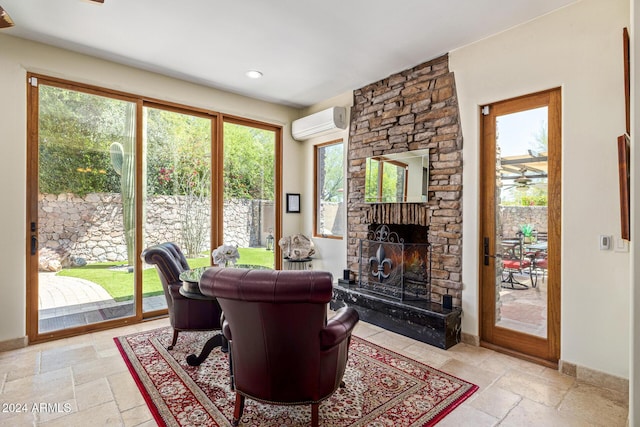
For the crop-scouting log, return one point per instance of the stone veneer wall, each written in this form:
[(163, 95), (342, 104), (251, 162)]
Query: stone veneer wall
[(412, 110), (514, 216)]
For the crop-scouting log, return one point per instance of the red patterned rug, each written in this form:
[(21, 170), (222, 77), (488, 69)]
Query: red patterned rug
[(383, 387)]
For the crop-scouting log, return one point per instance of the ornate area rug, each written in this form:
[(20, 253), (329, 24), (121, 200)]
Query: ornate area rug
[(383, 388)]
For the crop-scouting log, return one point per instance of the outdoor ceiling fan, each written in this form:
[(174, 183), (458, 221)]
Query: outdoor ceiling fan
[(5, 19), (523, 182)]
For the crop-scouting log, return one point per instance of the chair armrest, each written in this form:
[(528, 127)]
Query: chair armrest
[(174, 291), (226, 330), (339, 327)]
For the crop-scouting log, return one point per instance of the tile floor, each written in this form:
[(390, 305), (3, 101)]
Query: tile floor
[(83, 381)]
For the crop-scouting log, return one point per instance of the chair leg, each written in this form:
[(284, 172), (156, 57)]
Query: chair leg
[(237, 412), (174, 340), (314, 414), (232, 379)]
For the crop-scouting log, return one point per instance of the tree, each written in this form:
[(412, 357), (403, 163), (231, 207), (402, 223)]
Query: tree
[(330, 165), (249, 163)]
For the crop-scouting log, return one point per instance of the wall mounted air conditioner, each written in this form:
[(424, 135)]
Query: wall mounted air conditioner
[(319, 123)]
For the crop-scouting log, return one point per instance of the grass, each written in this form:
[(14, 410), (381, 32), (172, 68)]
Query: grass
[(118, 282)]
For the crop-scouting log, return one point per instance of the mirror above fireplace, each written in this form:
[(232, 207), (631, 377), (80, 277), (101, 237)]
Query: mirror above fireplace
[(397, 178)]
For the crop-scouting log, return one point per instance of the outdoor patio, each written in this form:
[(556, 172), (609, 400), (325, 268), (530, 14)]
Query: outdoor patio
[(66, 302), (524, 310)]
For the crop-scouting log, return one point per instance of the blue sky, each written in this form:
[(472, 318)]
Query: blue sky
[(516, 132)]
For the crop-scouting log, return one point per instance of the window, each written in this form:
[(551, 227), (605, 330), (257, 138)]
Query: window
[(329, 192)]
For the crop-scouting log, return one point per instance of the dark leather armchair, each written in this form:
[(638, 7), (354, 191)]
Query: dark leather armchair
[(184, 314), (283, 349)]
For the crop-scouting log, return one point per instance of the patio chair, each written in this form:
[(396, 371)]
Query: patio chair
[(514, 262), (185, 314)]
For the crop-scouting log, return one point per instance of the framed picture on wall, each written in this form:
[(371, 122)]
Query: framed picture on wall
[(293, 203)]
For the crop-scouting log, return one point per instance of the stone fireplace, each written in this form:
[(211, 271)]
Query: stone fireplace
[(416, 109)]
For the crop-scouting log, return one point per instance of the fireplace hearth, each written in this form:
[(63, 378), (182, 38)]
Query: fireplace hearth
[(393, 289)]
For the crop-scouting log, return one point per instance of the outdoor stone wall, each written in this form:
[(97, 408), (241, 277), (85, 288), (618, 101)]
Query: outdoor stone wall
[(412, 110), (515, 216), (75, 229)]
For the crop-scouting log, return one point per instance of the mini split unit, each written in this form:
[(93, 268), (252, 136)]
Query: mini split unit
[(319, 123)]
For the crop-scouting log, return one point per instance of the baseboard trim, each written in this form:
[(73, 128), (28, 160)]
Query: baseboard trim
[(594, 377), (14, 344), (581, 373), (473, 340)]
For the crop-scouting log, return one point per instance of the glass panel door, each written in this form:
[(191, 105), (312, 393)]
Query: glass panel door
[(86, 203), (520, 209), (177, 203), (522, 221), (249, 213)]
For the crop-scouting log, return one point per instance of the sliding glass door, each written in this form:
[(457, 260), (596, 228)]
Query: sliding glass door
[(82, 225), (110, 174), (177, 191), (249, 214)]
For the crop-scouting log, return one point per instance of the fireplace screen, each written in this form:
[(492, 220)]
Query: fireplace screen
[(393, 268)]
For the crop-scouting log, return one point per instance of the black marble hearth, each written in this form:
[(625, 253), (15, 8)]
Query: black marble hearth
[(424, 321)]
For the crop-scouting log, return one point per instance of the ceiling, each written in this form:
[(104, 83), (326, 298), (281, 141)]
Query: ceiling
[(307, 50)]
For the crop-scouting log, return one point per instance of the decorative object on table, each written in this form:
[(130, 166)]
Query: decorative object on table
[(293, 203), (184, 314), (296, 247), (405, 391), (225, 255), (527, 232)]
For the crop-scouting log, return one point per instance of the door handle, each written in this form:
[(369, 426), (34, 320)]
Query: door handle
[(34, 245), (485, 251)]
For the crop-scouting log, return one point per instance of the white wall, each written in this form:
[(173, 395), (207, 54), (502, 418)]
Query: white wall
[(331, 254), (578, 48), (19, 56), (634, 301)]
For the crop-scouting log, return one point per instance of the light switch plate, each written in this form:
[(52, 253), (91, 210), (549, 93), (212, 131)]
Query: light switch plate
[(605, 242), (621, 245)]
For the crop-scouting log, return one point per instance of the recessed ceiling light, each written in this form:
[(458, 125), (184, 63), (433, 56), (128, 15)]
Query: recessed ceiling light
[(253, 74)]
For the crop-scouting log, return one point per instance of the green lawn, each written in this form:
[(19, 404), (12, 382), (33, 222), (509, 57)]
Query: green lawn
[(118, 282)]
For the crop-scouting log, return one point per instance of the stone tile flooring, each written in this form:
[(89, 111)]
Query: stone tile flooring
[(83, 381)]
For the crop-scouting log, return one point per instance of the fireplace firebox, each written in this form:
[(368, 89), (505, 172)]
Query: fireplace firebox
[(391, 267)]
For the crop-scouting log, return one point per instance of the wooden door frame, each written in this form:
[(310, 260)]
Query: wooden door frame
[(537, 349)]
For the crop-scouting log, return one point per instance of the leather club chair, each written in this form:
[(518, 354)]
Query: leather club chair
[(185, 314), (283, 349)]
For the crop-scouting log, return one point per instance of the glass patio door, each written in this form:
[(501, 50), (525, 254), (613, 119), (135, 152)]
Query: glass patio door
[(520, 208), (177, 190), (82, 240), (249, 191)]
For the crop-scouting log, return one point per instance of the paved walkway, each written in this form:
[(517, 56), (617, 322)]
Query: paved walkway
[(68, 301), (60, 291)]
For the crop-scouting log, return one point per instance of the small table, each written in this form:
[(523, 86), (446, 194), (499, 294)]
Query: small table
[(191, 289), (298, 264)]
